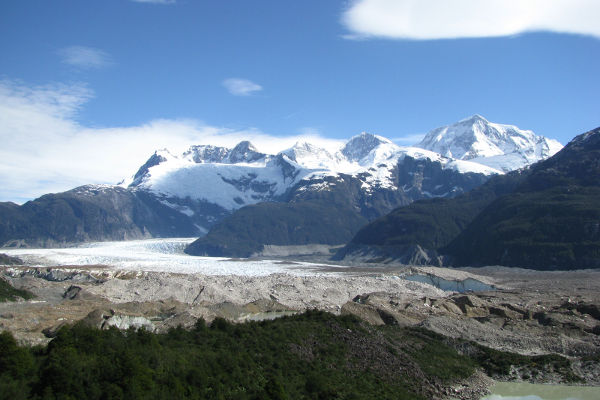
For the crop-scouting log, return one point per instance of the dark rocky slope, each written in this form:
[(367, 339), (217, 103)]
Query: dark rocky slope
[(412, 234), (551, 221), (89, 213), (251, 227)]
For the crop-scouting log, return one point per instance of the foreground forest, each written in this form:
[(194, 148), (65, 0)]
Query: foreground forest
[(314, 355)]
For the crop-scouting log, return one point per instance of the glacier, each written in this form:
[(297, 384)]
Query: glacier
[(159, 255)]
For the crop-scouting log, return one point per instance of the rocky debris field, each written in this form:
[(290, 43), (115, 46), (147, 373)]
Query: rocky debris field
[(159, 300), (529, 312)]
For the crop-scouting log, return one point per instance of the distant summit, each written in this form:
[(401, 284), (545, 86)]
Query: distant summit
[(206, 154), (503, 147), (361, 145), (244, 152), (311, 156)]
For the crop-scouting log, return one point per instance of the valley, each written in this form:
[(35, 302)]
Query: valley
[(153, 285)]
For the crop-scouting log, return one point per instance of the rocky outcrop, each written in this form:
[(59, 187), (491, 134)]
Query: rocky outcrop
[(498, 320), (9, 260)]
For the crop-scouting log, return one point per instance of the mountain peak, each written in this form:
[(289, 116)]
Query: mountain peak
[(158, 157), (360, 145), (592, 136), (310, 156), (206, 153), (244, 145), (304, 145), (474, 118), (244, 151), (504, 147)]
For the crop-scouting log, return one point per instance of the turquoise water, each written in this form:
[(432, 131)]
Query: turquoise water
[(467, 285), (528, 391)]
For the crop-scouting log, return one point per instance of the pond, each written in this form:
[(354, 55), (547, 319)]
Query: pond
[(467, 285), (528, 391)]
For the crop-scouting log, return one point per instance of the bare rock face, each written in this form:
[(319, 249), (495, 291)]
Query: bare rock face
[(51, 331), (363, 311), (72, 292)]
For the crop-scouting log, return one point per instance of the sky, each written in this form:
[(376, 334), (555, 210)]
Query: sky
[(89, 89)]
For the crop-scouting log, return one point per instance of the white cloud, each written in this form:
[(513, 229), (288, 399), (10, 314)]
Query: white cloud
[(155, 1), (241, 87), (85, 57), (450, 19), (44, 149)]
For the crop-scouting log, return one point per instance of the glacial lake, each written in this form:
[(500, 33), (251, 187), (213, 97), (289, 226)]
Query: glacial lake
[(528, 391), (467, 285)]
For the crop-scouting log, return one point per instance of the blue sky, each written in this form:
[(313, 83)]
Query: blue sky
[(126, 77)]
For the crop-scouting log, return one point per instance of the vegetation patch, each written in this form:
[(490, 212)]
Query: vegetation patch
[(10, 293), (498, 364)]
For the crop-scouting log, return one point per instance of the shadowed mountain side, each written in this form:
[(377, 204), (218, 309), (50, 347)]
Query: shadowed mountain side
[(552, 220), (89, 213), (245, 233), (412, 234)]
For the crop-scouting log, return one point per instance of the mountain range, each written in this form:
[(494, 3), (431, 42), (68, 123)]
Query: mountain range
[(245, 199), (546, 216)]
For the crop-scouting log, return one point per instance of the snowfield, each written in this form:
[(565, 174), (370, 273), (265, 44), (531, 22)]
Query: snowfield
[(159, 255)]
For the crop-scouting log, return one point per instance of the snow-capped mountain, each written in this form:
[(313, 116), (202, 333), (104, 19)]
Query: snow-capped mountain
[(187, 194), (313, 157), (370, 172), (502, 147), (233, 178)]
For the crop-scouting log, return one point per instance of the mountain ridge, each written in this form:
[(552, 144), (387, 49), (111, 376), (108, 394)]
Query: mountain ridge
[(250, 177), (191, 192)]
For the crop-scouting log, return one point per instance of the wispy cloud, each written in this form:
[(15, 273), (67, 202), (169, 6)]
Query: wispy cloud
[(44, 149), (85, 57), (408, 140), (155, 1), (450, 19), (241, 87)]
